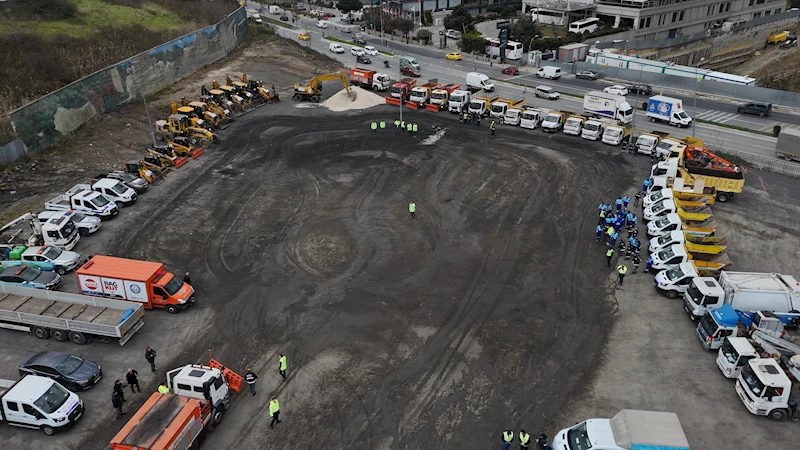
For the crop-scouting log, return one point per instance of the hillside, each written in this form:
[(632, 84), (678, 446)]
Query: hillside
[(50, 43)]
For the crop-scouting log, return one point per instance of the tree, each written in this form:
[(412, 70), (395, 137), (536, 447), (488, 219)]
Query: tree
[(404, 26), (424, 36), (473, 42), (460, 19), (523, 30), (346, 6)]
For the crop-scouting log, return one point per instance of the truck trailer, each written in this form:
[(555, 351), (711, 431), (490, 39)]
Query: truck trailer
[(628, 430), (599, 104)]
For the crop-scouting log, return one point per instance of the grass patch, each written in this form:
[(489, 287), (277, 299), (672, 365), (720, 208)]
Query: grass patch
[(279, 23), (343, 41), (734, 127)]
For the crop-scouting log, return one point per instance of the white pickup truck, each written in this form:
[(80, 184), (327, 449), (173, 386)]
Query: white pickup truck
[(114, 190), (84, 201), (39, 403)]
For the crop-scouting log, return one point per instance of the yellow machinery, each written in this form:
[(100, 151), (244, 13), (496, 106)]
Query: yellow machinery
[(144, 170), (181, 146), (180, 125), (219, 97), (258, 89), (241, 89), (202, 110), (230, 93), (195, 120), (166, 154), (313, 90)]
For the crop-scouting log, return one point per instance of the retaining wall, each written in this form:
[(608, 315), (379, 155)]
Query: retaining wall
[(47, 120)]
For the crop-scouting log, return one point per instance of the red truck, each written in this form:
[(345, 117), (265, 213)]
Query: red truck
[(143, 282), (440, 96), (402, 88), (370, 79)]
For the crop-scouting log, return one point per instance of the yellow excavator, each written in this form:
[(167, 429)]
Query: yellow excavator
[(313, 90), (180, 125)]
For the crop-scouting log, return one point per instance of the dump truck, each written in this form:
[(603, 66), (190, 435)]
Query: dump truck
[(45, 404), (593, 129), (677, 254), (554, 121), (777, 38), (695, 244), (402, 88), (199, 396), (532, 117), (138, 281), (64, 316), (688, 211), (83, 201), (498, 109), (597, 104), (480, 104), (617, 134), (628, 430), (26, 230), (672, 222), (574, 125), (694, 164), (441, 95), (458, 100), (422, 93), (702, 195), (647, 142), (788, 146)]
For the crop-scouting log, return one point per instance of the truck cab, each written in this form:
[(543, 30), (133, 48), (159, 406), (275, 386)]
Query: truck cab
[(734, 355), (646, 142), (660, 209), (116, 191), (553, 121), (657, 196), (700, 294), (574, 125), (85, 201), (659, 243), (628, 429), (764, 388), (532, 117), (499, 108), (675, 281), (204, 383), (616, 134), (440, 95), (512, 117), (39, 403), (85, 225), (669, 257), (458, 100), (593, 129), (402, 88)]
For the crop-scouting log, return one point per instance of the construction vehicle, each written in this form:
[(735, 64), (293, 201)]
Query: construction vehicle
[(498, 108), (777, 38), (217, 102), (675, 188), (232, 94), (400, 91), (441, 96), (182, 147), (195, 120), (574, 125), (211, 119), (698, 244), (764, 388), (480, 104), (27, 231), (144, 171), (242, 90), (672, 222), (259, 91), (554, 120), (459, 99), (735, 351), (687, 211), (677, 254), (618, 134), (420, 94), (313, 90), (647, 142), (179, 125), (713, 171), (531, 117), (166, 156), (593, 129), (718, 324), (199, 396), (85, 201), (750, 291), (45, 404), (161, 164), (628, 430), (370, 79)]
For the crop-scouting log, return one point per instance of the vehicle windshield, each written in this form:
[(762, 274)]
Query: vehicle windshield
[(528, 115), (78, 217), (475, 105), (695, 293), (126, 177), (69, 228), (53, 399), (683, 115), (457, 97), (655, 198), (52, 252), (647, 140), (395, 90), (662, 223), (573, 122), (611, 132), (578, 437), (658, 207), (551, 119), (29, 273), (497, 108), (100, 201), (69, 365), (438, 95), (708, 324), (590, 127), (666, 254), (174, 285), (118, 188), (675, 273), (752, 381), (729, 352)]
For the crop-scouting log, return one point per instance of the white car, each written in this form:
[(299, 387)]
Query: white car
[(616, 89), (358, 51), (370, 50), (336, 48)]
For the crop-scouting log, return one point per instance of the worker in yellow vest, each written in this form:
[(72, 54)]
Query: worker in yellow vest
[(524, 440), (622, 269), (163, 389), (282, 366), (508, 438), (274, 411), (412, 209)]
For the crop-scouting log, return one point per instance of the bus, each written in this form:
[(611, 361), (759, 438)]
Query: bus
[(584, 26), (547, 17), (513, 49)]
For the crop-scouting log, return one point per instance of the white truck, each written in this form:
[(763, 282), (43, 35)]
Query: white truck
[(764, 388), (114, 190), (647, 142), (39, 403), (86, 225), (628, 430), (593, 129), (458, 100), (27, 231), (532, 117), (609, 106), (736, 351), (84, 201), (554, 120), (574, 125), (667, 109), (677, 254), (617, 134), (675, 282), (749, 291)]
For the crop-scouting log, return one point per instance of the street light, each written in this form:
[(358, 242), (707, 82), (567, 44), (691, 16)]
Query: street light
[(697, 83)]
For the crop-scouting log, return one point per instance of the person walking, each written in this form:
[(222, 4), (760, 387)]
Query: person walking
[(187, 279), (609, 255), (163, 389), (374, 127), (412, 208), (524, 440), (637, 198), (382, 124), (119, 389), (648, 264), (598, 233), (282, 365), (508, 438), (492, 127), (117, 402), (250, 377), (622, 269), (541, 442), (274, 411), (132, 377), (150, 356), (621, 249), (636, 261)]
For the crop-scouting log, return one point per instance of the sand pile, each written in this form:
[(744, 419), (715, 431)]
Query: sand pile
[(358, 99)]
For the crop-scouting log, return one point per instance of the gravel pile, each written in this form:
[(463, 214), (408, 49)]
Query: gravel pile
[(358, 99)]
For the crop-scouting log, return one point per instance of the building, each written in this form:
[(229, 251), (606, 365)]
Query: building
[(660, 19)]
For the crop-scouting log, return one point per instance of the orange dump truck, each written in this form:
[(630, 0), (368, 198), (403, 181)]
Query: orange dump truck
[(143, 282)]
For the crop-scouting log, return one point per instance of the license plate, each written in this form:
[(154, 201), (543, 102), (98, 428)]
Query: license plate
[(78, 416)]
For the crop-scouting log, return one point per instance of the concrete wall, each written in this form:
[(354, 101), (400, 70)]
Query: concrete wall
[(47, 120)]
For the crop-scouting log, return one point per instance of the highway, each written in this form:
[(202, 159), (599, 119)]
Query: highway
[(434, 65)]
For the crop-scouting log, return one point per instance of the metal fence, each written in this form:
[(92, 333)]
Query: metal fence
[(762, 163)]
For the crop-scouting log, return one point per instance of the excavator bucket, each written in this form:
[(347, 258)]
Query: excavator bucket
[(235, 381)]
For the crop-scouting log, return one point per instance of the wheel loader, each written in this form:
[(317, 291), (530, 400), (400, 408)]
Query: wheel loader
[(260, 92), (179, 125), (195, 120), (202, 109), (230, 93), (221, 109), (183, 147), (167, 155)]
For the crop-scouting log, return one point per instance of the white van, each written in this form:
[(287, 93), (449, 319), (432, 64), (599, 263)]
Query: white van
[(550, 72), (547, 92), (322, 24), (336, 48), (39, 402), (274, 9), (479, 81), (408, 61)]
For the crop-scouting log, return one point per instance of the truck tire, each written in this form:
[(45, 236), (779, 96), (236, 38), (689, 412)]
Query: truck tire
[(61, 270), (83, 232), (77, 337), (169, 137), (48, 430), (204, 143), (59, 335), (159, 136), (172, 309), (653, 119), (217, 415), (40, 332), (788, 157), (672, 295), (723, 197), (778, 415)]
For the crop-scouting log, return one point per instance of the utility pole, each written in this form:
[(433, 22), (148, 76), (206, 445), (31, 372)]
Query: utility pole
[(697, 83), (147, 111)]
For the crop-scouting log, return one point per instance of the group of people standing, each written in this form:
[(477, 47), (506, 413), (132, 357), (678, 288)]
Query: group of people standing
[(613, 217)]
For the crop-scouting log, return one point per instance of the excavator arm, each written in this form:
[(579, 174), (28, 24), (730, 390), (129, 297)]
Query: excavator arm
[(331, 76)]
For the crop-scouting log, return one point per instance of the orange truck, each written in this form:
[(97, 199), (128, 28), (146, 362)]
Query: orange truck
[(199, 396), (399, 91), (138, 281)]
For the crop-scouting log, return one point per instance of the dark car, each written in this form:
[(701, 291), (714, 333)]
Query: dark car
[(358, 39), (760, 108), (586, 75), (642, 89), (73, 372), (285, 18), (363, 59), (30, 277), (511, 70), (409, 71)]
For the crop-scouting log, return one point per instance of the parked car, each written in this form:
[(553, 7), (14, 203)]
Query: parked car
[(358, 39), (547, 92), (760, 108), (617, 89), (32, 277), (73, 372), (336, 48), (358, 51), (409, 71), (128, 179), (285, 18), (586, 75), (511, 70), (363, 59), (641, 89), (455, 56), (453, 34), (370, 50), (347, 30)]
